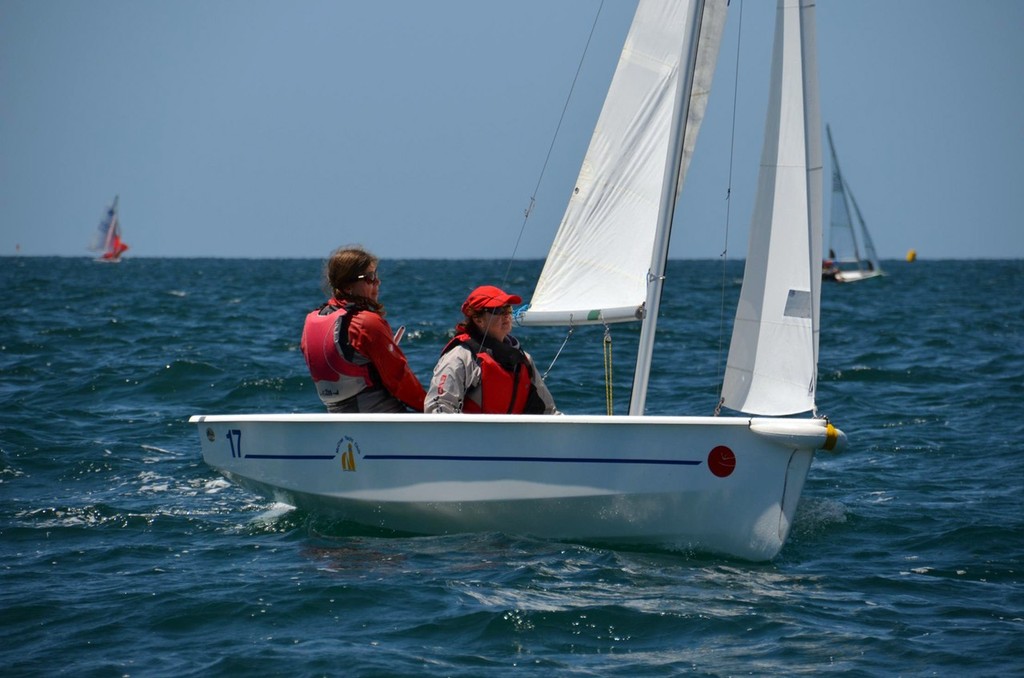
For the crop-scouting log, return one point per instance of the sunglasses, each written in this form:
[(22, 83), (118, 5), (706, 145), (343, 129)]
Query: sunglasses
[(371, 277), (499, 310)]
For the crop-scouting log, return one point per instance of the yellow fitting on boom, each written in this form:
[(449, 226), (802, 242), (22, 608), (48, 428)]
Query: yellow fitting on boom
[(831, 437)]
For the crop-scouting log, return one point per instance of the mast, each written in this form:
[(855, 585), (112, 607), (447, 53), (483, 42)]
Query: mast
[(815, 176), (666, 210)]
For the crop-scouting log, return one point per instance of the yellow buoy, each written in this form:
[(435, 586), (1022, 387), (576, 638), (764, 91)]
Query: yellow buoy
[(911, 255)]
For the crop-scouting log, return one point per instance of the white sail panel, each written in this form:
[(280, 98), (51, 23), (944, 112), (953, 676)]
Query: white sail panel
[(772, 365), (843, 239), (842, 242), (107, 229), (597, 268)]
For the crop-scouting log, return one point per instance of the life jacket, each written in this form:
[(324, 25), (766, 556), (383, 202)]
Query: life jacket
[(338, 371), (502, 390)]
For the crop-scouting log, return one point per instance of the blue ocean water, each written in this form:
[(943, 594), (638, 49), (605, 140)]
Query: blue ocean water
[(124, 554)]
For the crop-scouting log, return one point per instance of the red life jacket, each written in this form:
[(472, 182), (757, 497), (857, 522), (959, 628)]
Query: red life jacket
[(502, 391), (338, 371)]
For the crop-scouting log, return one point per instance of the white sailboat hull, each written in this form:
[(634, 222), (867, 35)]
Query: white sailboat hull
[(722, 485), (856, 275), (654, 480)]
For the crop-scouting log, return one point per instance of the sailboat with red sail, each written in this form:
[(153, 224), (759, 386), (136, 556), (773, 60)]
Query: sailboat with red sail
[(108, 236)]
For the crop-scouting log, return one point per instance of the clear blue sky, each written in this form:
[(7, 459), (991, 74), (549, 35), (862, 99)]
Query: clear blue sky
[(271, 128)]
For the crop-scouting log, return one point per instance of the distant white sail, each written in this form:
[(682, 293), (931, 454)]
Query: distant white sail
[(846, 262)]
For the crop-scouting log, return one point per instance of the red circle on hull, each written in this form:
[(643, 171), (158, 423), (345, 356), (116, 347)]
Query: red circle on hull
[(722, 461)]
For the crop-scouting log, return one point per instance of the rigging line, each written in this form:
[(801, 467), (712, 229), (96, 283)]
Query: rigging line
[(551, 146), (728, 207), (608, 396), (565, 341)]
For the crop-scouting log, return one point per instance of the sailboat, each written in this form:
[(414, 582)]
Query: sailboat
[(719, 484), (107, 240), (845, 262)]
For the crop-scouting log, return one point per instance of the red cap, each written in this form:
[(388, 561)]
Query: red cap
[(488, 296)]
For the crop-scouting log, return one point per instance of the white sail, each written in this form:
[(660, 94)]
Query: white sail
[(598, 267), (107, 239), (849, 264), (108, 227), (773, 357), (842, 241), (870, 255)]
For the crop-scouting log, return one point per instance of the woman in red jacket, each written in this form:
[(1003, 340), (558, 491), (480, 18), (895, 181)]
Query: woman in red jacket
[(349, 348)]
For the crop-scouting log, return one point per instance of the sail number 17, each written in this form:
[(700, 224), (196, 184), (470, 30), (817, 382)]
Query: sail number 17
[(234, 437)]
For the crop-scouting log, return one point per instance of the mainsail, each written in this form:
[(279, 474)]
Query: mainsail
[(842, 242), (773, 357), (600, 263), (844, 247), (108, 236)]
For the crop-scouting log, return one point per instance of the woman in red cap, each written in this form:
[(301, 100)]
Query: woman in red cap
[(483, 369), (355, 363)]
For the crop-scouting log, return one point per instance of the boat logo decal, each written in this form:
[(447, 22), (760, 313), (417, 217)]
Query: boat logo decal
[(347, 448)]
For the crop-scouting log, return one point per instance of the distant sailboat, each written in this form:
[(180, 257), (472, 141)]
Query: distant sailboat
[(845, 262), (108, 236)]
